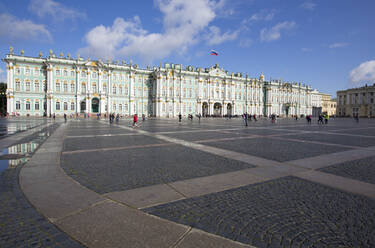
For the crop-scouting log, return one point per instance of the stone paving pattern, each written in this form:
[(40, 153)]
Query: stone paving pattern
[(286, 212), (20, 224), (279, 150), (361, 169), (134, 168)]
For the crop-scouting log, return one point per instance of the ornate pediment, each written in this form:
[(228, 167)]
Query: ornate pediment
[(93, 63), (217, 72)]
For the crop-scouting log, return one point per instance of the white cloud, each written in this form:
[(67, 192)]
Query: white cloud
[(184, 23), (364, 73), (308, 5), (338, 45), (274, 33), (214, 37), (305, 49), (54, 9), (245, 43), (263, 15), (15, 29)]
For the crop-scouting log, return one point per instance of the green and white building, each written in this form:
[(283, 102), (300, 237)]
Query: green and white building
[(50, 85)]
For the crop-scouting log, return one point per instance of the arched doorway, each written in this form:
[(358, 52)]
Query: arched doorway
[(229, 109), (95, 105), (83, 106), (204, 109), (217, 109)]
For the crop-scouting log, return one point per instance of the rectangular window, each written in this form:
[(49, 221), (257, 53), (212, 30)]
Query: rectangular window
[(36, 72), (27, 105), (72, 73), (57, 72), (18, 105), (36, 105), (27, 72), (114, 90), (36, 86), (94, 88), (83, 88), (57, 87), (18, 86), (105, 88), (65, 73), (72, 88), (65, 87), (65, 106), (18, 71), (27, 86), (57, 105), (72, 106)]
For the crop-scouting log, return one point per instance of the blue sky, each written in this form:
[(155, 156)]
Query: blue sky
[(328, 44)]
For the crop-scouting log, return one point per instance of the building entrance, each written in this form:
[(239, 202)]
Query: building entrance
[(83, 106), (95, 105), (217, 109), (204, 109)]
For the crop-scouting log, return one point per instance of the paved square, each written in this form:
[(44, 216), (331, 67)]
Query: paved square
[(287, 212), (361, 169), (274, 149), (127, 169), (268, 185)]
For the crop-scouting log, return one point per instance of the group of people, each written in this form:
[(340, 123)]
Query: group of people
[(322, 117), (113, 116), (247, 117)]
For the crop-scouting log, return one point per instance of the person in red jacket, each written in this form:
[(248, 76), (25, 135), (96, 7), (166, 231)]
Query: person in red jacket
[(135, 119)]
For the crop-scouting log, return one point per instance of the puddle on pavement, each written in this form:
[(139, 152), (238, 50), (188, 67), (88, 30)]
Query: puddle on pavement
[(18, 154)]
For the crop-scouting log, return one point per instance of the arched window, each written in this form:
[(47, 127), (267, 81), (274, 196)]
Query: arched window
[(114, 89), (72, 106), (18, 105), (65, 87), (28, 86), (72, 88), (18, 86), (36, 105)]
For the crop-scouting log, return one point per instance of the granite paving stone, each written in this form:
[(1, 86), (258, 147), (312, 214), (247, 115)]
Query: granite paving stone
[(335, 139), (279, 150), (106, 142), (361, 169), (110, 171), (20, 224), (285, 212), (197, 136)]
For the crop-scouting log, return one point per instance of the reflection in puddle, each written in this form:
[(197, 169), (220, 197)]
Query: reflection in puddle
[(21, 153)]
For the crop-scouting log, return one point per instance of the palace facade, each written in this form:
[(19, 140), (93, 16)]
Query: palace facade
[(38, 86)]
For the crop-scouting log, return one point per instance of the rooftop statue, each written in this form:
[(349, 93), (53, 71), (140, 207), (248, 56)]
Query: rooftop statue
[(11, 50)]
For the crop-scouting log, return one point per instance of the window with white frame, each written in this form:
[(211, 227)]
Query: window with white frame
[(94, 75), (27, 105), (65, 73), (57, 72), (18, 85), (126, 107), (65, 106), (72, 88), (18, 105), (36, 72), (18, 71), (27, 71), (65, 87), (120, 107), (114, 107), (27, 85), (105, 88), (57, 86), (94, 90), (72, 106), (126, 90), (36, 86), (72, 73), (57, 105), (114, 89), (36, 105), (83, 88)]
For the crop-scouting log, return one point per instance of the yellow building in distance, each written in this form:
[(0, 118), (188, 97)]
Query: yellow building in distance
[(328, 105), (356, 101)]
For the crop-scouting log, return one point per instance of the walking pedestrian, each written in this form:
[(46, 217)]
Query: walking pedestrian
[(246, 118), (135, 119), (179, 117)]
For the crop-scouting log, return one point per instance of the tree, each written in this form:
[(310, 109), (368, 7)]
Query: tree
[(3, 98)]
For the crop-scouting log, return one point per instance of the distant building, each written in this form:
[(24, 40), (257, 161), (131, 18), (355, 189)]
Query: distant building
[(356, 101), (328, 105), (40, 86)]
